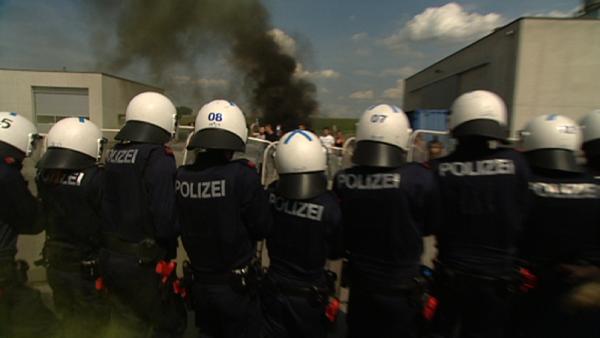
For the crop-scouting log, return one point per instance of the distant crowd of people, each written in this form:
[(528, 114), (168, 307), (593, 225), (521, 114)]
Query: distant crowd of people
[(268, 133)]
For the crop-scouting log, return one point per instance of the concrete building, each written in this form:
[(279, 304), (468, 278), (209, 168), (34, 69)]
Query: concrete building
[(538, 65), (47, 96)]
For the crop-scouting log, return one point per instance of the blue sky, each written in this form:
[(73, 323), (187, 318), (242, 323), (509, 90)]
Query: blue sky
[(357, 52)]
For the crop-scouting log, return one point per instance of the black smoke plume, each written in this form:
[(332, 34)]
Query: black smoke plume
[(168, 34)]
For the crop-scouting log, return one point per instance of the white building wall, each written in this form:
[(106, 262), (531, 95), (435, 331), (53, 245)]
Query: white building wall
[(16, 90), (108, 95), (558, 69)]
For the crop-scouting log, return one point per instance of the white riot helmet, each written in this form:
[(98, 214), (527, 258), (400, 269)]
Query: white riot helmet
[(301, 161), (220, 124), (551, 141), (478, 113), (150, 118), (73, 143), (590, 126), (17, 135), (382, 137)]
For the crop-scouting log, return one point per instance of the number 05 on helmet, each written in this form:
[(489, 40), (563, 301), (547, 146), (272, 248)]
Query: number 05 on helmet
[(17, 135)]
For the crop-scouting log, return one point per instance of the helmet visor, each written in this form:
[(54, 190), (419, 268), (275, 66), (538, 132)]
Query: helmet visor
[(481, 127), (553, 159), (377, 154), (61, 158), (213, 138), (137, 131), (301, 186)]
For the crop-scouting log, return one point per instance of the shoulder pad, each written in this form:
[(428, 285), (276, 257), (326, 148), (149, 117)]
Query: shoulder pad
[(168, 150)]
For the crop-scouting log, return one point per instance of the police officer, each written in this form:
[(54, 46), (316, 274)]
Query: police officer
[(223, 211), (591, 141), (562, 233), (306, 232), (484, 189), (22, 313), (140, 229), (69, 183), (387, 207)]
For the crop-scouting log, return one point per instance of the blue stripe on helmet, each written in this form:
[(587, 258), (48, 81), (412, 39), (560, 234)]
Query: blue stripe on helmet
[(297, 131)]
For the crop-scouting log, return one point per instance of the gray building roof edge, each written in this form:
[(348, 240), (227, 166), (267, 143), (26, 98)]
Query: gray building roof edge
[(80, 72)]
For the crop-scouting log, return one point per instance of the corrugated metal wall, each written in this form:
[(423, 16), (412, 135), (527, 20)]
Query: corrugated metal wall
[(430, 119)]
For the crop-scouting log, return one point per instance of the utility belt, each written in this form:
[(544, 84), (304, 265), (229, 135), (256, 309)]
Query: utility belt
[(66, 257), (316, 295), (407, 286), (146, 251), (242, 279), (518, 280)]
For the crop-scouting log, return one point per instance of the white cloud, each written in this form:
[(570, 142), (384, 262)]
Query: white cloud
[(395, 92), (318, 74), (363, 51), (362, 95), (285, 42), (556, 13), (328, 74), (450, 22), (359, 36), (402, 72)]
